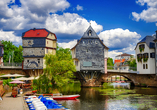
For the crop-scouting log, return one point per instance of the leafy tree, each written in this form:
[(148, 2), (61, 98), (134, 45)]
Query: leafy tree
[(110, 63), (11, 51), (132, 63), (18, 54), (59, 70)]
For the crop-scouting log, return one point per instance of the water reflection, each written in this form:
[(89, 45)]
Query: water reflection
[(94, 99)]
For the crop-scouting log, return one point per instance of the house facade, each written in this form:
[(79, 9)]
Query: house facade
[(1, 53), (120, 62), (36, 44), (89, 53), (145, 55)]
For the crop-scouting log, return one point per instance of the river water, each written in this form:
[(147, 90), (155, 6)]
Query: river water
[(98, 98)]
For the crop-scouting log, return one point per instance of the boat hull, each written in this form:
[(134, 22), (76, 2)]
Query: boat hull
[(65, 97)]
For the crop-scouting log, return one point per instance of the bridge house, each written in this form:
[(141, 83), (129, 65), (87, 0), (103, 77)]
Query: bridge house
[(90, 56), (36, 43)]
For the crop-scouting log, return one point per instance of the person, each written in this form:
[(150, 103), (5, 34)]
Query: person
[(21, 91)]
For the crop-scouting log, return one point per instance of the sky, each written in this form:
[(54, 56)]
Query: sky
[(121, 24)]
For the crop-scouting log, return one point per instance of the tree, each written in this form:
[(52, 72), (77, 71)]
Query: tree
[(60, 67), (8, 50), (132, 63), (18, 54), (11, 51), (110, 63)]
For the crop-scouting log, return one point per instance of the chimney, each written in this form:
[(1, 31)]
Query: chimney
[(156, 34)]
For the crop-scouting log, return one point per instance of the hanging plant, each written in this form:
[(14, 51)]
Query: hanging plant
[(141, 48), (139, 58), (145, 59)]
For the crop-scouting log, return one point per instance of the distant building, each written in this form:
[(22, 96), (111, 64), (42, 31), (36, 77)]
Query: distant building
[(1, 53), (89, 53), (36, 43), (145, 55), (120, 62)]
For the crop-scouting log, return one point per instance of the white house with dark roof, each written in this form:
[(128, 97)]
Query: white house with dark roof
[(145, 55)]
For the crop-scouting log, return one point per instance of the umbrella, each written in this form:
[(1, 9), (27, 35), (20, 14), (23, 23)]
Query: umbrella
[(16, 82), (21, 78), (11, 75)]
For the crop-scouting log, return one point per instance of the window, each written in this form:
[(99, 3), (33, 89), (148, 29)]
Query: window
[(38, 60), (146, 66), (141, 47), (47, 42), (76, 63), (27, 61), (83, 42), (152, 55), (143, 66), (87, 50), (89, 33)]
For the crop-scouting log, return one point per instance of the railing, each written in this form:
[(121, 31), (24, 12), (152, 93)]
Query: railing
[(122, 68), (11, 64)]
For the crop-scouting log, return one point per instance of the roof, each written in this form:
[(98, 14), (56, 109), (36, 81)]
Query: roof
[(37, 33), (122, 60), (93, 35), (148, 40), (124, 54)]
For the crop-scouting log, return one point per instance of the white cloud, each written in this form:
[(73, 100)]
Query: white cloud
[(79, 7), (9, 36), (149, 15), (31, 11), (119, 38), (70, 44), (113, 53), (70, 24), (44, 7)]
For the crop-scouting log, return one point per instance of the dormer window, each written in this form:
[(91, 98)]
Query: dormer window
[(89, 33)]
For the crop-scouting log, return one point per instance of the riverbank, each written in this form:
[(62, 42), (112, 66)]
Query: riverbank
[(10, 103)]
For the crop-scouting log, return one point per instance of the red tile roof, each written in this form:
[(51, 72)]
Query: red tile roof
[(37, 33), (122, 60)]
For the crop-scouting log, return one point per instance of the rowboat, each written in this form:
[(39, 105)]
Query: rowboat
[(65, 97)]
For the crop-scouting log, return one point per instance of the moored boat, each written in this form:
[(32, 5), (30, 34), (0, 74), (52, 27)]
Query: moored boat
[(66, 97)]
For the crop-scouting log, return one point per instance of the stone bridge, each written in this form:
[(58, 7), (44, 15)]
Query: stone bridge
[(132, 76)]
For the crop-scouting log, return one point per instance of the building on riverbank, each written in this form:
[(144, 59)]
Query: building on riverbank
[(36, 44), (90, 56), (145, 55)]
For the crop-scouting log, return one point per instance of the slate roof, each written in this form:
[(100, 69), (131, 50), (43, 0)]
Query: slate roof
[(148, 40), (37, 33), (93, 35)]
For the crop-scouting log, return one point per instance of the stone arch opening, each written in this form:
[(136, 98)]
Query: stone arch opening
[(119, 77)]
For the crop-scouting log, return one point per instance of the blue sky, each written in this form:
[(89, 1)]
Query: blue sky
[(119, 23)]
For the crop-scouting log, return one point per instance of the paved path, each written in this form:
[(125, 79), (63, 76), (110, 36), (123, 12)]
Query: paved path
[(10, 103)]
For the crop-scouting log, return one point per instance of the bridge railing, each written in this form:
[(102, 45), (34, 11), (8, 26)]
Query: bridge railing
[(122, 68), (11, 64)]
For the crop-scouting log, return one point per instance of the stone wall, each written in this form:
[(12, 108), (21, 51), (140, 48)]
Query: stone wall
[(90, 50), (33, 42), (9, 71), (32, 52), (33, 63)]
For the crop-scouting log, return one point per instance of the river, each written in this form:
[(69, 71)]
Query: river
[(98, 98)]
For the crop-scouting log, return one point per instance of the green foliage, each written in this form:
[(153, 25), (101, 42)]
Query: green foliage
[(60, 67), (107, 86), (6, 82), (110, 63), (132, 62), (12, 51)]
